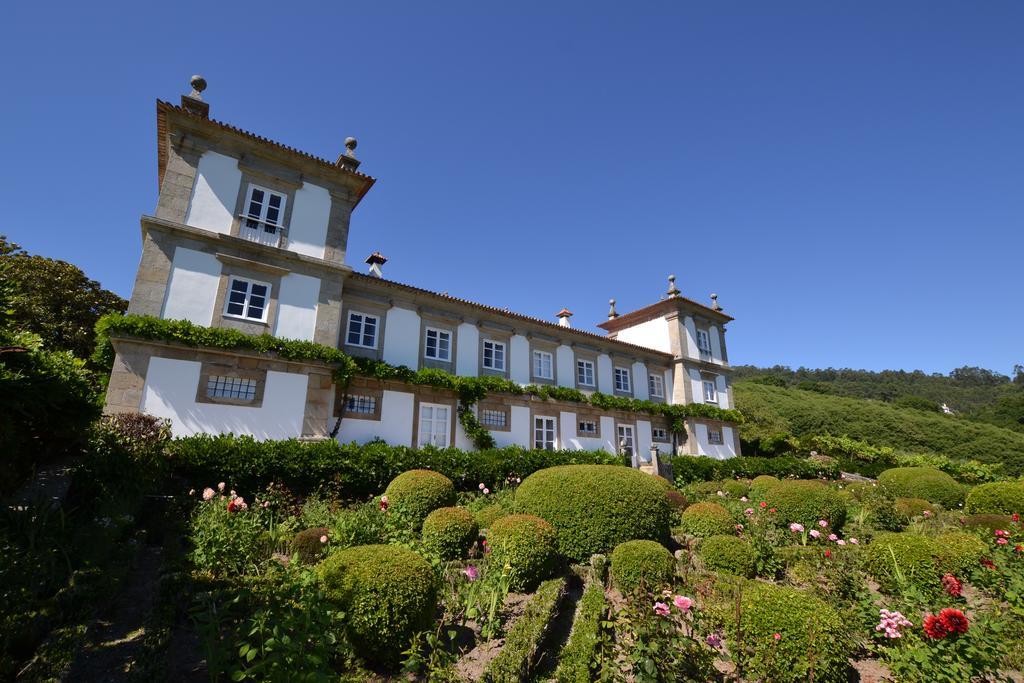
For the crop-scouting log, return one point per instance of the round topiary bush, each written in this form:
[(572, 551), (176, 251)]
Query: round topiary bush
[(812, 634), (913, 507), (595, 507), (387, 592), (806, 502), (676, 501), (986, 524), (486, 516), (707, 519), (735, 488), (890, 555), (760, 484), (933, 485), (959, 552), (528, 545), (416, 493), (448, 532), (637, 564), (997, 498), (728, 554), (308, 546)]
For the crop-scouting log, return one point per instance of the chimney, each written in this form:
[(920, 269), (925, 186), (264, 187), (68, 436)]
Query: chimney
[(193, 102), (563, 317), (375, 261), (348, 160)]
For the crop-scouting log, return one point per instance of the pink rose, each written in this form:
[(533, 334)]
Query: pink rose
[(661, 609), (822, 523), (480, 486), (323, 539), (471, 572), (814, 533), (833, 537), (220, 487), (682, 603), (208, 493), (777, 636), (486, 491), (854, 541)]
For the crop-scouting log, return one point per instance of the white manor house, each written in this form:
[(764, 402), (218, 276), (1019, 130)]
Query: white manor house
[(250, 234)]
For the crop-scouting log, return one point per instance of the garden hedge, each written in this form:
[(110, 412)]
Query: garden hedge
[(913, 507), (595, 507), (728, 554), (578, 657), (813, 636), (688, 469), (959, 552), (928, 483), (760, 484), (645, 564), (997, 498), (806, 502), (528, 545), (912, 556), (307, 545), (388, 593), (986, 524), (449, 532), (707, 519), (524, 639), (417, 493)]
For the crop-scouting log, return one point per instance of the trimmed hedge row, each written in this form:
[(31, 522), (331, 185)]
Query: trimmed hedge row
[(928, 483), (359, 470), (688, 469), (523, 641), (579, 653)]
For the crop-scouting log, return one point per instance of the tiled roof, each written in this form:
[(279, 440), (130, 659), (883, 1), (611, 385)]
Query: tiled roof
[(657, 309), (592, 336)]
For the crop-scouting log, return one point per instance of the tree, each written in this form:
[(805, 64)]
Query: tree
[(53, 299)]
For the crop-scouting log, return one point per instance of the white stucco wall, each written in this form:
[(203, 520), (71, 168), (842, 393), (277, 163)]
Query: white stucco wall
[(520, 430), (462, 439), (697, 385), (214, 193), (170, 392), (402, 337), (654, 334), (468, 350), (723, 392), (192, 287), (719, 452), (394, 426), (296, 307), (641, 387), (642, 433), (519, 359), (716, 343), (565, 366), (690, 330), (669, 376), (307, 232), (605, 383), (609, 437)]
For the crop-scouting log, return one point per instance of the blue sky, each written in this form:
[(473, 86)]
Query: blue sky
[(849, 177)]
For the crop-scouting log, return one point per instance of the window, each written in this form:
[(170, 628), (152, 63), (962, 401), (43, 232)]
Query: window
[(492, 418), (657, 385), (715, 437), (247, 299), (364, 405), (438, 344), (703, 341), (585, 373), (626, 439), (434, 425), (264, 209), (362, 330), (622, 382), (659, 434), (710, 394), (587, 428), (543, 365), (231, 387), (494, 355), (544, 433)]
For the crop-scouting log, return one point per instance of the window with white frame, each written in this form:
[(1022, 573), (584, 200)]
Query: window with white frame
[(710, 393), (715, 437), (585, 373), (247, 299), (362, 330), (438, 344), (703, 341), (363, 405), (587, 428), (657, 385), (626, 440), (659, 434), (264, 209), (231, 387), (622, 381), (544, 433), (493, 418), (543, 365), (435, 422), (494, 355)]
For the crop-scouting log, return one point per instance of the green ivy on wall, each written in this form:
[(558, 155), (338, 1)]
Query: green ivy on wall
[(469, 390)]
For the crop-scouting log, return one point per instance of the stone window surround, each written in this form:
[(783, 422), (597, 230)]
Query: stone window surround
[(378, 323), (632, 427), (500, 338), (357, 387), (229, 368), (443, 323), (659, 372), (537, 344), (590, 357), (499, 407), (435, 398), (263, 177), (357, 304), (712, 377), (247, 270), (588, 416), (655, 424), (250, 285), (629, 373), (547, 413)]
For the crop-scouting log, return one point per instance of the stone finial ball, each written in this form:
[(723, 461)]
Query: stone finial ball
[(198, 83), (611, 301), (714, 296), (671, 278), (350, 143)]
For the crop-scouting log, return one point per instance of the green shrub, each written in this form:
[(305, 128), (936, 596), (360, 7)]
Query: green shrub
[(641, 563), (486, 516), (707, 519), (735, 488), (997, 498), (891, 556), (387, 592), (813, 636), (676, 501), (225, 542), (728, 554), (986, 523), (449, 532), (913, 507), (307, 545), (528, 545), (596, 507), (691, 469), (959, 552), (523, 642), (417, 493), (578, 658), (760, 484), (806, 502), (885, 516), (933, 485)]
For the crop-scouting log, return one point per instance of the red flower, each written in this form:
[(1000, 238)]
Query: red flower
[(1015, 517), (772, 510), (954, 620), (934, 627), (952, 585), (987, 563), (763, 504), (1019, 548), (828, 553), (233, 506)]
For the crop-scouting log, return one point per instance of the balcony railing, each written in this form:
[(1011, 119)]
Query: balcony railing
[(261, 232)]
